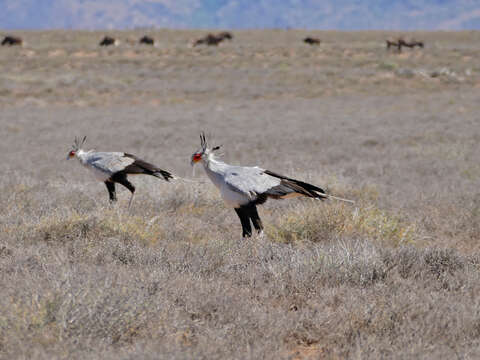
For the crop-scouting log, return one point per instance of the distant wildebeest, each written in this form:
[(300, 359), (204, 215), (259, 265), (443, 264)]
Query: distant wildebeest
[(226, 35), (147, 40), (210, 39), (411, 44), (398, 43), (214, 40), (107, 41), (311, 41), (12, 40)]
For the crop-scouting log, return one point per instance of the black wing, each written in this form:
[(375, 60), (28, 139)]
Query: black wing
[(140, 166), (289, 185)]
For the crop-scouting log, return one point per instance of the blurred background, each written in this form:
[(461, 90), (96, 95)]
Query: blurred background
[(245, 14)]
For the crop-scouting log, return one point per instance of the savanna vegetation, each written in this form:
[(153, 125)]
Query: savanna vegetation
[(394, 276)]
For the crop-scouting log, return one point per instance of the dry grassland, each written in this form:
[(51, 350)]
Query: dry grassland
[(395, 276)]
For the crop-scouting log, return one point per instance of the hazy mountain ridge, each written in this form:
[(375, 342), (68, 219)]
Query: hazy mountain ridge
[(309, 14)]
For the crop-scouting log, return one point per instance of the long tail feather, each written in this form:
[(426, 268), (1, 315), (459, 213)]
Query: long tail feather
[(140, 166), (163, 174), (298, 186), (303, 188), (179, 178), (340, 199)]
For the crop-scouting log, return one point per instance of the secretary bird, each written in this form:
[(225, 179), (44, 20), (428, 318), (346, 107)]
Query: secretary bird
[(244, 187), (113, 167)]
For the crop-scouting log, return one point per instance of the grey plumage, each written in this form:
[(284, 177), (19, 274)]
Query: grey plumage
[(113, 167), (243, 187)]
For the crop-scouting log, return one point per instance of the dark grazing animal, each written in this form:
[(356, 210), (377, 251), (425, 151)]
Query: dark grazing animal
[(210, 40), (107, 41), (213, 40), (401, 42), (226, 35), (147, 40), (12, 40), (410, 44), (311, 41)]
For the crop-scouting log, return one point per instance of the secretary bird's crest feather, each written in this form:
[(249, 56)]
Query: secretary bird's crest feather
[(77, 144), (204, 144)]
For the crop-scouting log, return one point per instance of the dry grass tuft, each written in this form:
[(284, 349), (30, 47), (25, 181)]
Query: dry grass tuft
[(333, 221), (110, 224)]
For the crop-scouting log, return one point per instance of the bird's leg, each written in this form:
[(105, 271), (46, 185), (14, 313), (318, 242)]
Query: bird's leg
[(130, 202), (121, 178), (242, 213), (111, 190), (257, 223)]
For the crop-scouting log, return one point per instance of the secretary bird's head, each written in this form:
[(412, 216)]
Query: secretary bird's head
[(77, 145), (205, 152)]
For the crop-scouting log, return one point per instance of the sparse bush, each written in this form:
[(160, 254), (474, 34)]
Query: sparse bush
[(321, 223)]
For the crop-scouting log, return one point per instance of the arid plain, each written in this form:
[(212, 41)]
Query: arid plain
[(397, 275)]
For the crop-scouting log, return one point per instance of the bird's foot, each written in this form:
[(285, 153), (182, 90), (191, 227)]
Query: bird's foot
[(246, 236)]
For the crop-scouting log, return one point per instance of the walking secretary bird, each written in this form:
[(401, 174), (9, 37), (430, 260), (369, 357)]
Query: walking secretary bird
[(243, 188), (114, 167)]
